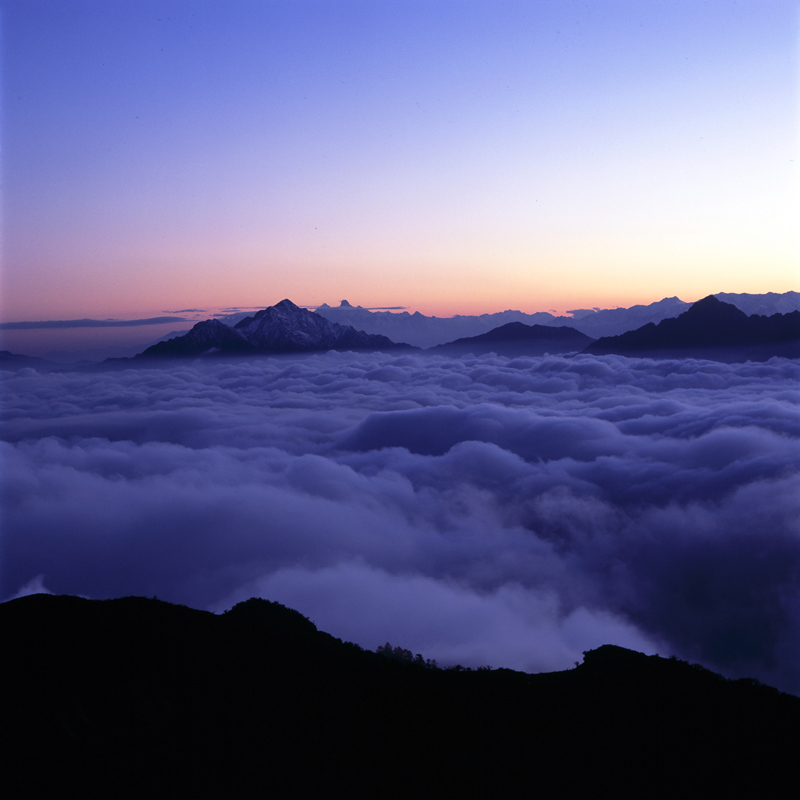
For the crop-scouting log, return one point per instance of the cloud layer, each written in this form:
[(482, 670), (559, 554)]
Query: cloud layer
[(509, 512)]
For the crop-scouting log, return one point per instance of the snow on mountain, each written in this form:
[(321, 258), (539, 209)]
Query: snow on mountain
[(282, 328), (764, 304), (287, 328)]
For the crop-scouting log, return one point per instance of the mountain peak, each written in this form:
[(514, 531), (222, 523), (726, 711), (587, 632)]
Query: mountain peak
[(715, 311), (710, 328), (709, 301), (344, 304), (282, 328), (287, 305)]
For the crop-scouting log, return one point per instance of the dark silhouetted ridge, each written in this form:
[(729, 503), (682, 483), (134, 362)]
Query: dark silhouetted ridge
[(135, 697), (518, 339), (710, 329), (209, 336)]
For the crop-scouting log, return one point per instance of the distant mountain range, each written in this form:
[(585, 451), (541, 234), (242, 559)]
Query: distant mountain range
[(14, 361), (714, 329), (708, 329), (421, 330), (424, 331), (136, 697)]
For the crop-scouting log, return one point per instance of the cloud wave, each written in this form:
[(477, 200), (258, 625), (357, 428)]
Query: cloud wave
[(510, 512)]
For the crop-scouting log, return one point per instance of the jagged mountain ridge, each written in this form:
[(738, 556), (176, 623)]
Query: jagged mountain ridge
[(116, 697), (765, 304), (282, 328), (286, 328), (425, 331), (612, 321), (711, 329)]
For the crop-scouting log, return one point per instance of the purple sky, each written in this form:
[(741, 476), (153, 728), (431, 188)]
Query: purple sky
[(453, 156), (445, 156)]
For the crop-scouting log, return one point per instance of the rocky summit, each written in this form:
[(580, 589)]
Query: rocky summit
[(282, 328)]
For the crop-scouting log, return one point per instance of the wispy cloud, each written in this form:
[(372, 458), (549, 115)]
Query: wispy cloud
[(88, 323)]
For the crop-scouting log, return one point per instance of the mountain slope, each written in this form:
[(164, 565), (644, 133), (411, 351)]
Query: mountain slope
[(208, 336), (710, 329), (286, 328), (134, 697), (518, 339)]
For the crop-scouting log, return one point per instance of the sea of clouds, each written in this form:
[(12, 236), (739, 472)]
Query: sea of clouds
[(482, 511)]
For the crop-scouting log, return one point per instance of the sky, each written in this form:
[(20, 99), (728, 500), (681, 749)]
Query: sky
[(448, 157), (509, 512), (178, 159)]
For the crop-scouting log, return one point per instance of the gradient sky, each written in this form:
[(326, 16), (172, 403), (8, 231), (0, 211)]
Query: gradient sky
[(445, 156)]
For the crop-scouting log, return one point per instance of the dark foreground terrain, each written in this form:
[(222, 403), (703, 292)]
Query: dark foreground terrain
[(141, 698)]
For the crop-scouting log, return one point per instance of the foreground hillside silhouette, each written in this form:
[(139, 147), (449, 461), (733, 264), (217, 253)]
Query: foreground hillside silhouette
[(137, 697)]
